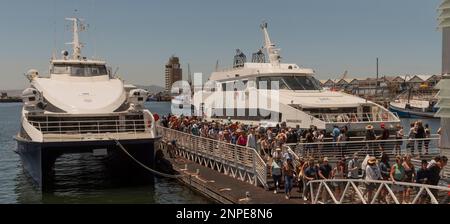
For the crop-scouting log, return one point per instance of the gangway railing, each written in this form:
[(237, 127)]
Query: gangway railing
[(374, 192), (427, 147), (241, 162)]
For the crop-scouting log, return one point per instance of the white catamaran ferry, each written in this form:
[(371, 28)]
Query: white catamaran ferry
[(82, 108), (300, 99)]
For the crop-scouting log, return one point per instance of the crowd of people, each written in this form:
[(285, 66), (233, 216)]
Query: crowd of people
[(371, 168), (269, 142)]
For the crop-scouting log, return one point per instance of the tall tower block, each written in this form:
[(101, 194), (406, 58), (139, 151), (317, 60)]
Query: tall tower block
[(173, 72)]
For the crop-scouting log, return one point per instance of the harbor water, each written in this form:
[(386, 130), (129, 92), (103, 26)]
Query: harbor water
[(78, 177)]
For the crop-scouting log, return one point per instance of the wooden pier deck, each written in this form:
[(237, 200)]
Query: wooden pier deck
[(227, 190)]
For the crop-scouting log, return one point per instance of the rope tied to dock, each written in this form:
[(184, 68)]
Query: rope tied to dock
[(143, 165)]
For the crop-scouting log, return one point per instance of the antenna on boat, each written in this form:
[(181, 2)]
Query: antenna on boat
[(77, 27), (274, 56), (217, 65)]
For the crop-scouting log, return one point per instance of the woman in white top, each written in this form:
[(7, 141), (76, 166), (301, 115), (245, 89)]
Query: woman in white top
[(372, 173), (339, 173)]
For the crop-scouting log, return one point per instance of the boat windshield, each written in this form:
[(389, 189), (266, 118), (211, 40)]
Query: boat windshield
[(79, 70), (291, 82)]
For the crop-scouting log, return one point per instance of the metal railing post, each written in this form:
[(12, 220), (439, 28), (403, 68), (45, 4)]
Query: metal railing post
[(235, 156), (254, 167)]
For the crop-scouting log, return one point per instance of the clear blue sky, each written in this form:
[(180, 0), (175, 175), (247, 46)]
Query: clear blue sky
[(138, 36)]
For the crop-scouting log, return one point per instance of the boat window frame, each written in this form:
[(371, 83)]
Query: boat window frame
[(87, 69), (284, 85), (224, 85)]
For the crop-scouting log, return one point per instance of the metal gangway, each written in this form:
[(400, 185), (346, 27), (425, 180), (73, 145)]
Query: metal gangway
[(247, 165), (239, 162)]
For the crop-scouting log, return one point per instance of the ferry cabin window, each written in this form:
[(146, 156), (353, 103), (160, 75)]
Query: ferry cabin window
[(61, 69), (80, 70), (239, 85), (291, 82)]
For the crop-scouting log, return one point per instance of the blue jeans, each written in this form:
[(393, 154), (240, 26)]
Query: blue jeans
[(276, 181), (287, 184)]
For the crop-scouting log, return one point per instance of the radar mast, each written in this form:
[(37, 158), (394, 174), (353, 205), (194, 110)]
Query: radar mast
[(274, 56), (77, 26)]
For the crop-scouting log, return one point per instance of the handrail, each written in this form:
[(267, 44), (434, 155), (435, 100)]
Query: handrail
[(337, 150), (240, 156), (362, 141), (422, 190)]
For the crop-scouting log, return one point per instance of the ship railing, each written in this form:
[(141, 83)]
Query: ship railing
[(83, 128), (239, 157), (356, 117), (354, 191)]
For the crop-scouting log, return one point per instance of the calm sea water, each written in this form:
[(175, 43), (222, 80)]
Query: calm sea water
[(78, 179)]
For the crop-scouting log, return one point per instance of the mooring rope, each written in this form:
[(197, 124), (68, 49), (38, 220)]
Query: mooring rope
[(143, 165)]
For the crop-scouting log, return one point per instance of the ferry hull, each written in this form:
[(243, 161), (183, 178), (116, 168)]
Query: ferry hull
[(404, 113), (38, 159)]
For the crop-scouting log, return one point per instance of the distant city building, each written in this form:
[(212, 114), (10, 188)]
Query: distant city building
[(173, 72), (388, 86)]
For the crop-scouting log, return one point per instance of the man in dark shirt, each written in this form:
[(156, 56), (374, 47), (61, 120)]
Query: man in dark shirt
[(384, 136), (310, 174), (420, 134), (433, 176), (325, 169), (292, 136), (433, 173), (325, 173), (422, 174)]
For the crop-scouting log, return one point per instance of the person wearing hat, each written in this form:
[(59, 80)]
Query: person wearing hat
[(277, 154), (372, 173), (370, 134)]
